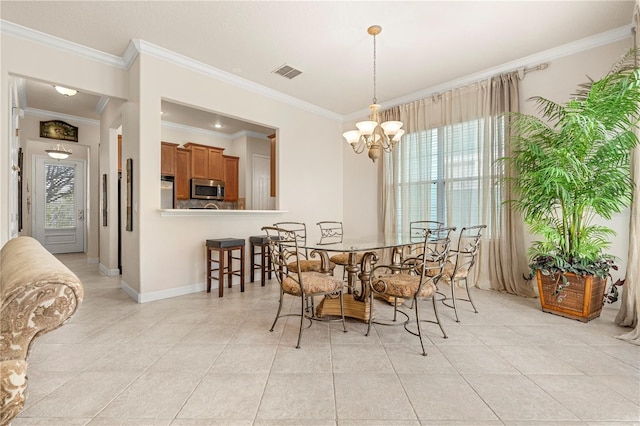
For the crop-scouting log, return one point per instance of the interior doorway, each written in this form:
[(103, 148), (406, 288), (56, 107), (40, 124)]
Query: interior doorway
[(58, 219), (261, 183)]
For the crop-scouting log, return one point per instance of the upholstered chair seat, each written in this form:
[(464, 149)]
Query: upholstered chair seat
[(402, 286), (300, 277), (342, 259), (459, 264), (414, 279), (314, 282)]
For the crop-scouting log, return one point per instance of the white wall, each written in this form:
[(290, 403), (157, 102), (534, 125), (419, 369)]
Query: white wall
[(110, 122), (319, 177), (172, 254)]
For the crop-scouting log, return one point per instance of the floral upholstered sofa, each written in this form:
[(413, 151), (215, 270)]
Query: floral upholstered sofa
[(37, 295)]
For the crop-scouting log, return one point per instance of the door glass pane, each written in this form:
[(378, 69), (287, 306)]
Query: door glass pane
[(60, 203)]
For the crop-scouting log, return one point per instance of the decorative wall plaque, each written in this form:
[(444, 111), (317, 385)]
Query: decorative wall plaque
[(56, 129)]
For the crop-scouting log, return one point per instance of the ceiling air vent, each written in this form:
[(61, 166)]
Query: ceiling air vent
[(287, 71)]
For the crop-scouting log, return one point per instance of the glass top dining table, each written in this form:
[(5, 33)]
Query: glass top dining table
[(356, 302)]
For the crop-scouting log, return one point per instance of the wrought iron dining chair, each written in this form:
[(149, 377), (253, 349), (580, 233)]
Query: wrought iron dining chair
[(417, 231), (300, 231), (459, 264), (415, 279), (284, 252), (333, 232)]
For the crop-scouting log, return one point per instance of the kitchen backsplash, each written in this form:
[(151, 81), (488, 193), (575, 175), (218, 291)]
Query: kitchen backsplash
[(194, 204)]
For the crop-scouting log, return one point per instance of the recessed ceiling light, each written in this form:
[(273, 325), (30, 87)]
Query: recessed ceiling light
[(218, 126), (64, 91)]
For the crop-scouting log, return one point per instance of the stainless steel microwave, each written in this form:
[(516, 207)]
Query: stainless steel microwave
[(206, 189)]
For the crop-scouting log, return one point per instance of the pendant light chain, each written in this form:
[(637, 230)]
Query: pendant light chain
[(375, 99)]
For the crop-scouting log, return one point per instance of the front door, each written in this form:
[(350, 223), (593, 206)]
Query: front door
[(59, 204)]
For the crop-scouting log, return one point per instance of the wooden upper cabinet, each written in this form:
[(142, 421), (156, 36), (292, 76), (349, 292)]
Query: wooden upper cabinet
[(206, 161), (168, 158), (216, 164), (199, 161), (230, 178), (183, 174)]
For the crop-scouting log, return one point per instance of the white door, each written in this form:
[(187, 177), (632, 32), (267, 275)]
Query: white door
[(261, 190), (59, 204)]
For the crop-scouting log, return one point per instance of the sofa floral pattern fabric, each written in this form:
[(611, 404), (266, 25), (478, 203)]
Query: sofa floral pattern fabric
[(37, 295)]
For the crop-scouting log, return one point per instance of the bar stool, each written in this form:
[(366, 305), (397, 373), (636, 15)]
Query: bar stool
[(264, 260), (225, 248)]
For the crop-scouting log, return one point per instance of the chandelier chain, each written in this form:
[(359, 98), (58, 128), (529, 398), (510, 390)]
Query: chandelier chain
[(375, 99)]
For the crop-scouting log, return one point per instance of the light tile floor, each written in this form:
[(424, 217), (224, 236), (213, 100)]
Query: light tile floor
[(204, 360)]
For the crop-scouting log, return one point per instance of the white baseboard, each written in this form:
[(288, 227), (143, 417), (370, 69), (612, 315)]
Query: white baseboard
[(108, 272), (161, 294), (171, 292)]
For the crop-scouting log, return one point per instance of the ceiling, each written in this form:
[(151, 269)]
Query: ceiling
[(423, 44)]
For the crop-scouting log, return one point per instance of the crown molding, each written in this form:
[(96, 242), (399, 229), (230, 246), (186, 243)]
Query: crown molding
[(102, 103), (249, 134), (558, 52), (147, 48), (9, 28), (21, 86), (138, 46), (57, 116), (185, 128)]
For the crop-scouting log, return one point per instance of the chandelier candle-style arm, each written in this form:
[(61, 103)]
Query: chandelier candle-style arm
[(372, 134)]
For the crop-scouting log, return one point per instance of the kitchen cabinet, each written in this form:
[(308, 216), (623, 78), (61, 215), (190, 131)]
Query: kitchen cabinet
[(183, 174), (216, 164), (168, 158), (206, 161), (230, 177)]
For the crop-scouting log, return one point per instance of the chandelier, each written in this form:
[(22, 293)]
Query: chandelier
[(59, 152), (373, 135)]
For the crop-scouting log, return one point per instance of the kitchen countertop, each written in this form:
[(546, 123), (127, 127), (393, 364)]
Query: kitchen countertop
[(216, 212)]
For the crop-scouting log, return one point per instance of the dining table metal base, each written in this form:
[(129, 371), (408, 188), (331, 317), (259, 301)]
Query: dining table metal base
[(352, 308)]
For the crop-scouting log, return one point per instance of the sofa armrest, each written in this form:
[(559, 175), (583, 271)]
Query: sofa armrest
[(37, 295)]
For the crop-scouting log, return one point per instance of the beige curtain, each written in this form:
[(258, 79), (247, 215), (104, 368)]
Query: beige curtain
[(628, 315), (476, 111)]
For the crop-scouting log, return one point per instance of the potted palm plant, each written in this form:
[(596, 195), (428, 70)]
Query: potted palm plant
[(570, 165)]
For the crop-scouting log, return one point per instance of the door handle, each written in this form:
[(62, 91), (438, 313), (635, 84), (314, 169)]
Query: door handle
[(80, 215)]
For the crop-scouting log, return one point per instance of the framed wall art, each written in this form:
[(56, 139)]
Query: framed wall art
[(104, 200), (56, 129), (129, 177)]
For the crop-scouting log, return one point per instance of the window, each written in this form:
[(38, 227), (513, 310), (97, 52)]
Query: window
[(443, 173), (60, 197)]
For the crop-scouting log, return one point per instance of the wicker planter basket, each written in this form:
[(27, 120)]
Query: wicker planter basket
[(582, 299)]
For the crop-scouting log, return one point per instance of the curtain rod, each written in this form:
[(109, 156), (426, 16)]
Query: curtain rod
[(523, 71)]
